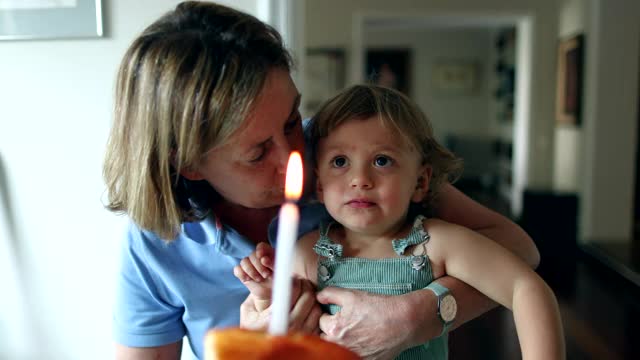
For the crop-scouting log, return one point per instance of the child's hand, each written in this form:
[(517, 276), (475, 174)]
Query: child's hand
[(255, 271)]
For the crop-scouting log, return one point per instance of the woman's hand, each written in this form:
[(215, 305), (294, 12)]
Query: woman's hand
[(304, 316), (377, 326)]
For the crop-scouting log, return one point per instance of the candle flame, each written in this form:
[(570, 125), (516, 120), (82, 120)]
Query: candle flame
[(293, 181)]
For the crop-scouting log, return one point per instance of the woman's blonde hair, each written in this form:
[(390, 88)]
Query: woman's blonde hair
[(400, 115), (183, 87)]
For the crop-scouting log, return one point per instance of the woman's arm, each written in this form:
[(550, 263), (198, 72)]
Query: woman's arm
[(381, 326), (457, 208), (140, 316), (165, 352), (505, 278), (412, 317)]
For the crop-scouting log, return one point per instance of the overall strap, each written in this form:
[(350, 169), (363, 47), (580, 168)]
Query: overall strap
[(416, 236), (324, 246)]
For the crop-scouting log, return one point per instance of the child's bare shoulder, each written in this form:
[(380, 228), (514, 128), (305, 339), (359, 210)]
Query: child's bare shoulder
[(435, 226), (446, 237), (309, 237), (305, 242), (440, 232)]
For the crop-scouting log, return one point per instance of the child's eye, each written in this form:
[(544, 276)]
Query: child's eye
[(339, 162), (382, 161)]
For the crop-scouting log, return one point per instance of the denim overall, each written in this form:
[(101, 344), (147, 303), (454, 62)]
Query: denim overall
[(392, 276)]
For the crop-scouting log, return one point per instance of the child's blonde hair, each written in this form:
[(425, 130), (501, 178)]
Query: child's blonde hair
[(400, 115)]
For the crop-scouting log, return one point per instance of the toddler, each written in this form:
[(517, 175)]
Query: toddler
[(378, 171)]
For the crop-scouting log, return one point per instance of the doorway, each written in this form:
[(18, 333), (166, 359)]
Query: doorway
[(494, 149)]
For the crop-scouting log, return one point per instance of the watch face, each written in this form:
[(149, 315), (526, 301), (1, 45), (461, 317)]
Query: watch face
[(448, 308)]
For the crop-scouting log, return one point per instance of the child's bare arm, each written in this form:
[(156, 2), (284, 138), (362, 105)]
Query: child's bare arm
[(506, 279), (255, 272)]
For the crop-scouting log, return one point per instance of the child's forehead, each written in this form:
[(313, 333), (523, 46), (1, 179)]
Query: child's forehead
[(368, 127), (371, 133), (378, 122)]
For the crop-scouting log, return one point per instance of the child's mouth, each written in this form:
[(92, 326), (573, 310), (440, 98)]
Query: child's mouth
[(360, 203)]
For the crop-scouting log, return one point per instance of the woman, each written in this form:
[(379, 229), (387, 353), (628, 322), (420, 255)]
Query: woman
[(205, 118)]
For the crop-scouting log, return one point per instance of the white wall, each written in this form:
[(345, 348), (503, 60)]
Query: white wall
[(451, 114), (55, 114), (611, 120)]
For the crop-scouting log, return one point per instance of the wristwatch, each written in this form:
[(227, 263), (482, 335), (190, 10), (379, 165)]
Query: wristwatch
[(447, 306)]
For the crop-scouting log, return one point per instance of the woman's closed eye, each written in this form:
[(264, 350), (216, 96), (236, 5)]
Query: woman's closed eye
[(382, 161), (259, 152), (257, 155)]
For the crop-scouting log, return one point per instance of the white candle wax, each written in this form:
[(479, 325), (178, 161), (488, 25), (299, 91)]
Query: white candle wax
[(281, 297)]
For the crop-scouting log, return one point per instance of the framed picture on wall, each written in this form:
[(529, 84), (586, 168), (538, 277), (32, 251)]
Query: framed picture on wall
[(50, 19), (389, 67), (569, 81), (455, 76)]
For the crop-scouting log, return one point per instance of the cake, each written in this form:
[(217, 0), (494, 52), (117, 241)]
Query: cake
[(236, 343)]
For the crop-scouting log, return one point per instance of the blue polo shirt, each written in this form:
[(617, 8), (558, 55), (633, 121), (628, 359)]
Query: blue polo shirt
[(167, 290)]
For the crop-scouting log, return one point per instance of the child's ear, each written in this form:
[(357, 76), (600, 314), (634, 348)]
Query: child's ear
[(422, 184)]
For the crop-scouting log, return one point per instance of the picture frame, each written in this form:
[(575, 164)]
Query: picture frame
[(50, 19), (325, 75), (570, 80), (390, 68), (455, 76)]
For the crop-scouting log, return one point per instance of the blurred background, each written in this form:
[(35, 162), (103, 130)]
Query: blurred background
[(539, 97)]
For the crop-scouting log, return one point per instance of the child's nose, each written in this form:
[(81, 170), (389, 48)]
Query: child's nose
[(361, 179)]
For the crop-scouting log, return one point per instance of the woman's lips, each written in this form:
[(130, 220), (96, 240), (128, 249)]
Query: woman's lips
[(360, 203)]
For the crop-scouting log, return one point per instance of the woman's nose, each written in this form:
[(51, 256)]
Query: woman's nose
[(283, 152)]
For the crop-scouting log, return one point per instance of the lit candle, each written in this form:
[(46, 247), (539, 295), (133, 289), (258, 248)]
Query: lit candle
[(288, 220)]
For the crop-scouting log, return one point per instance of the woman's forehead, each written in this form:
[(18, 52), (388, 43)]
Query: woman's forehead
[(275, 104)]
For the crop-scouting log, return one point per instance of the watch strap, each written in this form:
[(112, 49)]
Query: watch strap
[(440, 291)]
